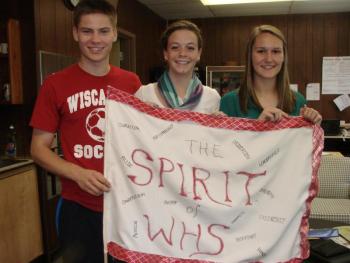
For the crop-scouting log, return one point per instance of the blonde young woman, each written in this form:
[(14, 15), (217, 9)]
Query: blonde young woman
[(179, 87), (265, 93)]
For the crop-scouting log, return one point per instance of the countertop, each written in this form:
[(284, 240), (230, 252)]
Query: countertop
[(21, 162)]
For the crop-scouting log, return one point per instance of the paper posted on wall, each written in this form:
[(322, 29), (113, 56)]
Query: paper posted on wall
[(336, 75), (342, 102), (313, 91)]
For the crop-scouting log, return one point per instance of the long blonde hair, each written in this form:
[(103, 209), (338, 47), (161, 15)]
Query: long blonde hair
[(286, 98)]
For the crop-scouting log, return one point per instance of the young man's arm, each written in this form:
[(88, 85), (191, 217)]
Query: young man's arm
[(90, 181)]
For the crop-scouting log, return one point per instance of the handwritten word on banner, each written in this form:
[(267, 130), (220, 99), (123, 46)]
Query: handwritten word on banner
[(189, 187)]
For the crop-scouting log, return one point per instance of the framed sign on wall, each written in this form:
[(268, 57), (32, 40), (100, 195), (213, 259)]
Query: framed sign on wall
[(224, 78)]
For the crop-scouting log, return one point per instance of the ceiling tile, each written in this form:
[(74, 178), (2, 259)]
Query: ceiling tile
[(176, 9)]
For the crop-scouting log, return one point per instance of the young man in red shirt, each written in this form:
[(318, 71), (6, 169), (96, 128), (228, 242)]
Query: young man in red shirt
[(71, 102)]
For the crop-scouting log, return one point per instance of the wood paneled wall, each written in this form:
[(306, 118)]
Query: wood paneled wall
[(147, 27), (309, 37), (53, 30)]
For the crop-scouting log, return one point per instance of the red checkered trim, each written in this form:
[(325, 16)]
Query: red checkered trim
[(131, 256), (205, 119), (317, 140)]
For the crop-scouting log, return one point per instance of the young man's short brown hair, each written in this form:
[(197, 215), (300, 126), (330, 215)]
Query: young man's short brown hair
[(86, 7)]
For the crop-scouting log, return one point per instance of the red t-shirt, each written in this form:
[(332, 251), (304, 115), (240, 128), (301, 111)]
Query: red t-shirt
[(72, 102)]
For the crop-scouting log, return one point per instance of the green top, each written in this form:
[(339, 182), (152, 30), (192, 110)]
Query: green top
[(230, 105)]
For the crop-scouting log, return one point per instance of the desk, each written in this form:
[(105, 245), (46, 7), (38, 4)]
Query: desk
[(344, 134), (333, 154), (340, 136), (337, 143), (320, 223)]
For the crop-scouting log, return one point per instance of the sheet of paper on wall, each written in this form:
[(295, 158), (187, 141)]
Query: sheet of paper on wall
[(313, 91), (293, 87), (342, 102), (336, 75)]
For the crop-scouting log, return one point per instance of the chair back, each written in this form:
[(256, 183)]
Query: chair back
[(334, 177)]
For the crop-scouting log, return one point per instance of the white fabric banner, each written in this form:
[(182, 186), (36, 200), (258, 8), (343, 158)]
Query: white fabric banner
[(189, 187)]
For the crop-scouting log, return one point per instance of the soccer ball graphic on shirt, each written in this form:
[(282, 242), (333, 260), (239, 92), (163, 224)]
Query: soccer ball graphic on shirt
[(95, 124)]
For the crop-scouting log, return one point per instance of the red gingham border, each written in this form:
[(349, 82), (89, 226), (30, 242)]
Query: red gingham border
[(317, 140), (228, 123), (127, 255), (205, 119), (131, 256)]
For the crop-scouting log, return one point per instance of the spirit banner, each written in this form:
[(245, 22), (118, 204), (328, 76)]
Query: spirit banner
[(189, 187)]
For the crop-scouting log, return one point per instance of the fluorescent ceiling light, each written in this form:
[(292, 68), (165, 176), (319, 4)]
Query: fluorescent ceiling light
[(227, 2)]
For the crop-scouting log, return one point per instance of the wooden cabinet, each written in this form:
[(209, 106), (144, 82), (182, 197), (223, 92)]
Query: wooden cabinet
[(20, 224), (11, 63)]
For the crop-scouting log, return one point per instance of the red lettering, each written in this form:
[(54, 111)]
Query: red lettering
[(198, 235), (200, 177), (182, 192), (221, 242), (250, 177), (162, 169), (148, 157), (202, 182), (169, 239)]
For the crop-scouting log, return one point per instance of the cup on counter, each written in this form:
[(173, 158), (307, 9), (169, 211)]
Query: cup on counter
[(4, 48)]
